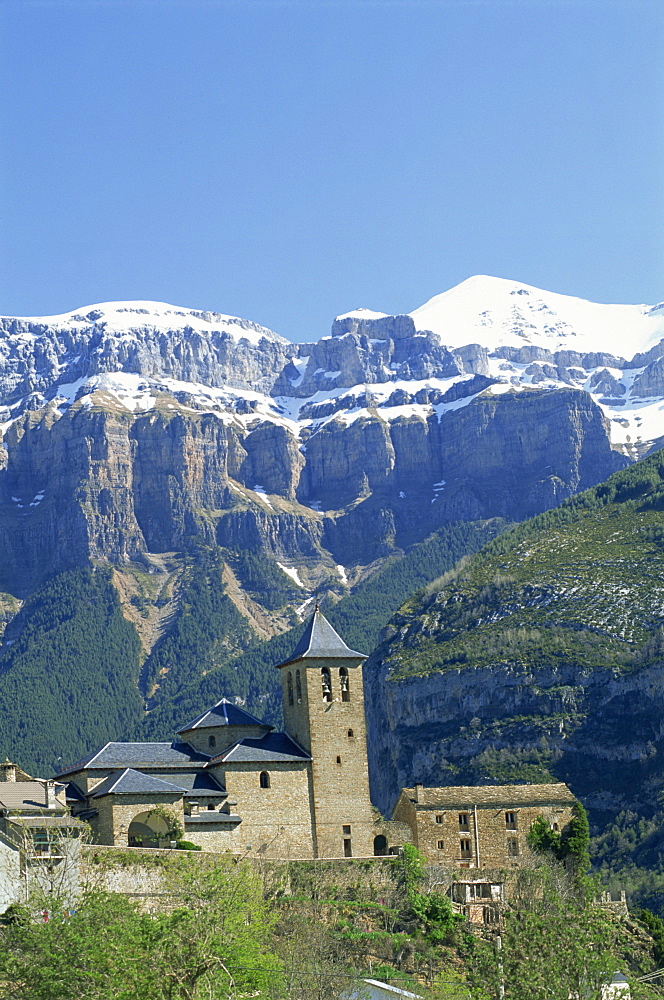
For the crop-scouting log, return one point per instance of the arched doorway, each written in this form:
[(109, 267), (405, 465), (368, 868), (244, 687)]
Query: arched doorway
[(147, 830), (380, 845)]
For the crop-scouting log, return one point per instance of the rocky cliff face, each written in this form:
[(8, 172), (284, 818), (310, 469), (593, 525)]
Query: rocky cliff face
[(541, 656), (599, 730), (131, 429)]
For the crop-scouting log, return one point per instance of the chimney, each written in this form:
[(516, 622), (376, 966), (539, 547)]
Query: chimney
[(49, 788), (7, 770), (418, 793)]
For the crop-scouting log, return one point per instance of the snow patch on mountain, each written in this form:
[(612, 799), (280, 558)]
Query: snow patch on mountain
[(122, 318), (496, 312)]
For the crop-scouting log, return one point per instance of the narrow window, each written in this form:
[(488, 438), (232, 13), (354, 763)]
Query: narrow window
[(264, 779), (346, 830), (513, 847), (439, 818), (338, 760), (463, 821), (212, 741), (298, 687), (290, 688), (327, 684), (555, 827), (510, 820), (465, 847), (348, 851), (441, 845), (344, 684), (351, 733)]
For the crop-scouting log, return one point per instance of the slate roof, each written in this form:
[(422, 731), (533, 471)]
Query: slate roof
[(320, 640), (272, 747), (198, 783), (137, 754), (212, 818), (130, 782), (502, 796), (224, 713)]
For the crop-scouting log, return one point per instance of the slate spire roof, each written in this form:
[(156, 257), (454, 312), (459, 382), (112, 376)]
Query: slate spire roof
[(320, 640), (224, 713)]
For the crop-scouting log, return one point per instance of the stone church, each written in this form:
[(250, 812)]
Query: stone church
[(234, 783)]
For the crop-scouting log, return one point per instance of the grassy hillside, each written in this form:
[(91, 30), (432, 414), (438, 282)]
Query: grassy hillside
[(584, 581)]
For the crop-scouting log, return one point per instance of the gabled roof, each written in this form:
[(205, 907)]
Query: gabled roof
[(501, 796), (319, 639), (130, 782), (224, 713), (136, 754), (272, 747)]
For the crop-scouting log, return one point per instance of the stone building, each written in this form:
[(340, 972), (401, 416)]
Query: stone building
[(232, 783), (39, 840), (480, 826)]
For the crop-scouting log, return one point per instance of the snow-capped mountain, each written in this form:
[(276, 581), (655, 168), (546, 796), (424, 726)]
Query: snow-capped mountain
[(486, 336), (129, 428)]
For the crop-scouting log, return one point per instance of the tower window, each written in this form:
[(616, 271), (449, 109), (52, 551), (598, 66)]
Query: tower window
[(466, 847), (344, 684), (439, 818), (327, 684), (441, 845), (264, 779), (298, 687), (290, 688), (463, 821), (510, 820), (346, 830), (351, 733), (338, 760), (513, 847), (212, 741)]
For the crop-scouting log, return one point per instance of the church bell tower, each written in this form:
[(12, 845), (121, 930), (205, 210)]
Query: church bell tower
[(323, 699)]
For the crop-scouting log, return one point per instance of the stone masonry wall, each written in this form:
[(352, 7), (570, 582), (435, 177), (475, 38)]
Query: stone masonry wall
[(276, 821), (451, 836)]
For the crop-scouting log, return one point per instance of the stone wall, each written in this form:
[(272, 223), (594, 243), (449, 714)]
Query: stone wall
[(111, 825), (276, 821), (477, 835)]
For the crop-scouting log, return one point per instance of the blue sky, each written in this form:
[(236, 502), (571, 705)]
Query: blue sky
[(288, 161)]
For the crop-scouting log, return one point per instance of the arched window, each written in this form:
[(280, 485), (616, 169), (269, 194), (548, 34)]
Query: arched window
[(290, 688), (327, 684), (344, 684), (264, 779), (298, 687), (351, 733), (212, 741)]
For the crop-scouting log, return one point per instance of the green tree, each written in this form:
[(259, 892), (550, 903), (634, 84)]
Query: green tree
[(212, 942), (553, 945)]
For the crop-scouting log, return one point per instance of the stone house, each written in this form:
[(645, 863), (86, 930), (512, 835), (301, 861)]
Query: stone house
[(235, 784), (482, 826), (39, 840)]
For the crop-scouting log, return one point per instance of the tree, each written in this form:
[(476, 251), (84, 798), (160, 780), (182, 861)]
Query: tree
[(212, 941), (552, 946)]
